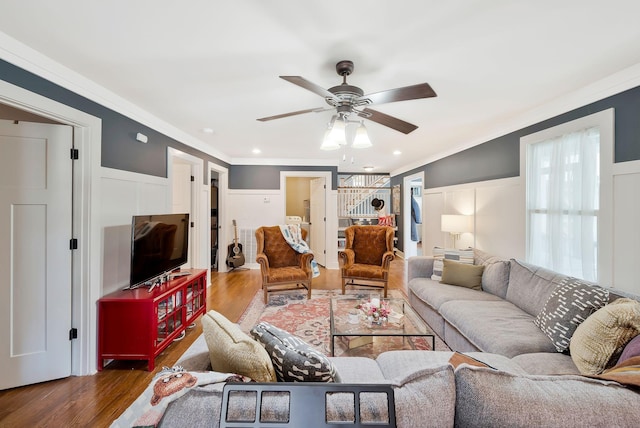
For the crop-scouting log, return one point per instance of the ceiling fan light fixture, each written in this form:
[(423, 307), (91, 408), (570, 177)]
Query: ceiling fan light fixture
[(361, 140), (338, 132), (328, 143)]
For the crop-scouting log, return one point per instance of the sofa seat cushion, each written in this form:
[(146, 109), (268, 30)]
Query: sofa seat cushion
[(527, 400), (546, 363), (498, 327), (435, 293), (357, 370)]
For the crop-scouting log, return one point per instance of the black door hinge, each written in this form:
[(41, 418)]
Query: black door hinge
[(73, 244), (193, 178), (73, 333), (192, 224), (75, 154)]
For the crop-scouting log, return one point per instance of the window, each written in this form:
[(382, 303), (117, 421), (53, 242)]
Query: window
[(564, 185)]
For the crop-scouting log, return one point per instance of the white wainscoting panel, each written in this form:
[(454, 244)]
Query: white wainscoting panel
[(626, 235), (432, 236), (123, 195), (500, 220)]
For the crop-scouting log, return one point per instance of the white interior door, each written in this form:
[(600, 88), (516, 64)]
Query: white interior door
[(35, 259), (317, 220), (182, 198)]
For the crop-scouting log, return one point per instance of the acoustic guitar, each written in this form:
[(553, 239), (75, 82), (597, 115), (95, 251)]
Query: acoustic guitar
[(235, 258)]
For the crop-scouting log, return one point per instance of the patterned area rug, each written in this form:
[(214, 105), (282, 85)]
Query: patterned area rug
[(309, 320)]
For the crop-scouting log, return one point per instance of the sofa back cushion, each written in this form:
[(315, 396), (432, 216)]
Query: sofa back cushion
[(486, 397), (530, 286), (425, 397), (495, 278)]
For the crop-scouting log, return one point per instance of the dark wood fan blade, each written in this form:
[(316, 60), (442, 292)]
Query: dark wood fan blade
[(386, 120), (422, 90), (294, 113), (310, 86)]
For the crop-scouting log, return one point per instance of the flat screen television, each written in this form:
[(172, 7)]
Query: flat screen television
[(159, 244)]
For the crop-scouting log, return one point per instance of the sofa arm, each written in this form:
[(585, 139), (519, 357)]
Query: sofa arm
[(419, 267)]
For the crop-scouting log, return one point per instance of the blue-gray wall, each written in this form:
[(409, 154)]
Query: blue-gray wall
[(500, 157), (120, 150), (268, 177)]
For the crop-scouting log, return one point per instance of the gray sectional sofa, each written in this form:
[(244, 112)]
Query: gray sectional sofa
[(499, 318), (527, 382)]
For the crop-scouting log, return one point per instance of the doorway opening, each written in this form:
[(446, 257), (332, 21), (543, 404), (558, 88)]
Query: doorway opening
[(412, 217), (306, 196)]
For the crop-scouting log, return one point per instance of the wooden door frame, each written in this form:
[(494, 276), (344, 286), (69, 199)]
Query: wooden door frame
[(223, 185), (406, 210), (196, 246)]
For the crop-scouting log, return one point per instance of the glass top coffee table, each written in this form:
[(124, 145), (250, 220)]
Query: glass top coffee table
[(353, 326)]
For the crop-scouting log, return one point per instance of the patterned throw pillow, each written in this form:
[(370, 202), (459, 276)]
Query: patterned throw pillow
[(599, 341), (439, 254), (567, 307), (233, 351), (293, 359)]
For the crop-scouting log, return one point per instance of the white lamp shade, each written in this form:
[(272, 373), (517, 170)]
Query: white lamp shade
[(455, 223), (361, 140)]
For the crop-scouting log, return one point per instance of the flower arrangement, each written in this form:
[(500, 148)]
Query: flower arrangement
[(375, 311)]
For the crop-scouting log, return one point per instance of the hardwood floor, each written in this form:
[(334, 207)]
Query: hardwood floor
[(97, 400)]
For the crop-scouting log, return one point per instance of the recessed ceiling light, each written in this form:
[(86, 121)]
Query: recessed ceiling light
[(207, 130), (256, 151), (397, 152), (368, 168)]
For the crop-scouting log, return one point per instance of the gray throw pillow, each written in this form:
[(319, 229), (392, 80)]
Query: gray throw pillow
[(293, 359), (567, 307)]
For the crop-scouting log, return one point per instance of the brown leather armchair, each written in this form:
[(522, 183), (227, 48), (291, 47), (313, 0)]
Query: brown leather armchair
[(367, 255), (280, 264)]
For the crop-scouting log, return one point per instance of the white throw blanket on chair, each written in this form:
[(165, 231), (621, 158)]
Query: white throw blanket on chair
[(293, 235)]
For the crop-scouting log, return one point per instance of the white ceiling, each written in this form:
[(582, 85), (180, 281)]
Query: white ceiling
[(204, 63)]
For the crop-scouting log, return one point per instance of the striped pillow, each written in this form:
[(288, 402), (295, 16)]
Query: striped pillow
[(439, 254)]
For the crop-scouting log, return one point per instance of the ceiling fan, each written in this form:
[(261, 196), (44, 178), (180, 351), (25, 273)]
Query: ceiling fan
[(348, 99)]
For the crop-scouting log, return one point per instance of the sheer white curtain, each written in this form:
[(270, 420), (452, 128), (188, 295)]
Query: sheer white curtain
[(563, 181)]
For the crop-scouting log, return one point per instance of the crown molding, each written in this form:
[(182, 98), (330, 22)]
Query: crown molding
[(281, 162)]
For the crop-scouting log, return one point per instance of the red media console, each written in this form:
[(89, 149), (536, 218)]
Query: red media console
[(138, 324)]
